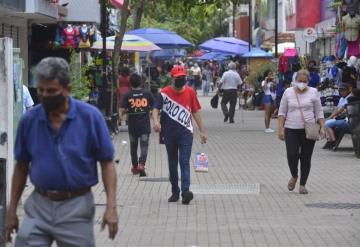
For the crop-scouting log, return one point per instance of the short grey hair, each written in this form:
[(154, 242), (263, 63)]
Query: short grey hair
[(232, 66), (303, 72), (53, 68)]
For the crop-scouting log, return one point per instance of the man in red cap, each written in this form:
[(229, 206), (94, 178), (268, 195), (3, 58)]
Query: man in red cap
[(178, 104)]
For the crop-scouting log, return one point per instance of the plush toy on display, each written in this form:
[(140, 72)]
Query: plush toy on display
[(71, 34)]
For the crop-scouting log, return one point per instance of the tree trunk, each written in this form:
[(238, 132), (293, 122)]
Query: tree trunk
[(118, 42), (138, 14)]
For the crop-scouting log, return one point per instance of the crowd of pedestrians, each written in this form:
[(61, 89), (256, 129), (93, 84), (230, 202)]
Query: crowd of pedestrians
[(73, 137)]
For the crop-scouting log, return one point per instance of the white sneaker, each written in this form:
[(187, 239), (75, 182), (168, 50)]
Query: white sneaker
[(269, 130)]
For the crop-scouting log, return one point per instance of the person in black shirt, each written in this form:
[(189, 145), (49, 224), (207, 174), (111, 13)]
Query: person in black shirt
[(138, 103)]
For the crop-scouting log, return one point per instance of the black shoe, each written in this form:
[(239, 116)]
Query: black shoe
[(187, 196), (173, 198), (232, 121), (142, 174), (226, 118), (329, 145)]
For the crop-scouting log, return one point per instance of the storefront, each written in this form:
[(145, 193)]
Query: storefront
[(325, 45)]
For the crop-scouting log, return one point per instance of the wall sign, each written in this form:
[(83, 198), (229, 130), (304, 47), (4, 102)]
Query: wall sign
[(309, 35)]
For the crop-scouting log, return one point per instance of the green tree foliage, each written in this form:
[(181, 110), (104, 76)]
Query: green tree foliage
[(79, 80), (192, 20)]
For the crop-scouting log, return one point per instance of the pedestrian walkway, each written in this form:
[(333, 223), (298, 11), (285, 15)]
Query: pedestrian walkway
[(243, 200)]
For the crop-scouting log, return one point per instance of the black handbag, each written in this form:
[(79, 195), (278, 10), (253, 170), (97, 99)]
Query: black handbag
[(214, 102)]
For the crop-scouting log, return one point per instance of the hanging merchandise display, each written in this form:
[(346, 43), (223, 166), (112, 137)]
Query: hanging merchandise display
[(71, 35), (84, 33), (74, 36)]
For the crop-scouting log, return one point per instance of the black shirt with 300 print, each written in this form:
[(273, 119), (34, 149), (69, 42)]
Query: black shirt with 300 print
[(138, 103)]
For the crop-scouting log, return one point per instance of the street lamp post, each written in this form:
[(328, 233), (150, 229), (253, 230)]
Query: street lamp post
[(103, 27), (250, 24), (276, 28), (106, 97)]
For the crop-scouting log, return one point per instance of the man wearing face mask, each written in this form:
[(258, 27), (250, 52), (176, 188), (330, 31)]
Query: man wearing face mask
[(178, 104), (59, 143)]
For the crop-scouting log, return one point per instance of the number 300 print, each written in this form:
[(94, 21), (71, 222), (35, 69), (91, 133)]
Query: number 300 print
[(137, 103)]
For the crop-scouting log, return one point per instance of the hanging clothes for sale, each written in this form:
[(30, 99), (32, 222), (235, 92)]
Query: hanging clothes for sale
[(353, 48), (283, 64), (58, 42), (341, 46), (333, 73), (71, 34), (92, 35), (84, 33)]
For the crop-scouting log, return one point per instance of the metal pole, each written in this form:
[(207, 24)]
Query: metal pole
[(105, 83), (233, 18), (2, 201), (250, 24), (276, 28)]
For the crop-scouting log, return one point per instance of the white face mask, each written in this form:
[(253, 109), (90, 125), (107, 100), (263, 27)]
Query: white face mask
[(301, 85)]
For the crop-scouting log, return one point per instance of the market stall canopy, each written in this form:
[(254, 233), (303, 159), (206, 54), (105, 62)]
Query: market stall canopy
[(196, 53), (130, 43), (257, 53), (283, 46), (165, 54), (217, 56), (161, 37), (226, 45)]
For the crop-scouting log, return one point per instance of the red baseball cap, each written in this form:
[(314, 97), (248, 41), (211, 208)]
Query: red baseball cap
[(178, 71)]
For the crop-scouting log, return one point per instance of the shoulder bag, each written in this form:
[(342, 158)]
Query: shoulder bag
[(312, 130)]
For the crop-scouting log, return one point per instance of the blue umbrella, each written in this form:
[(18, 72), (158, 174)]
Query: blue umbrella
[(257, 53), (165, 54), (226, 45), (217, 56), (162, 38)]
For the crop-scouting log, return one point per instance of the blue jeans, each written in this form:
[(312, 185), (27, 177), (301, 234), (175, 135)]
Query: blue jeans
[(333, 123), (179, 151)]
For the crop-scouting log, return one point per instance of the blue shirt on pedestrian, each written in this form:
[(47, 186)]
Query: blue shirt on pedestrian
[(314, 79), (65, 160)]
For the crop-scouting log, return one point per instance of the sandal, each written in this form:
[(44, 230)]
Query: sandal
[(303, 190), (292, 183)]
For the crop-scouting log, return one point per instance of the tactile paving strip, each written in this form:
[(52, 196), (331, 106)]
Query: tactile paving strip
[(159, 179), (226, 189)]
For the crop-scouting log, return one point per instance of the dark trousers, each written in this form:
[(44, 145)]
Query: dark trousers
[(179, 151), (229, 95), (144, 145), (299, 148)]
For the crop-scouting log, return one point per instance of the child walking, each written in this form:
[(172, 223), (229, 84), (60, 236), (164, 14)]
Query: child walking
[(138, 103)]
